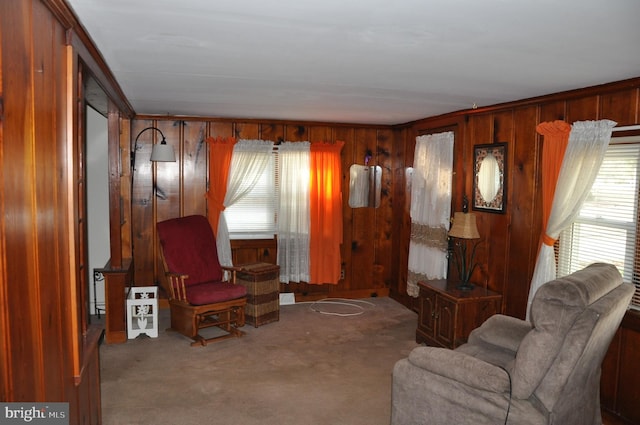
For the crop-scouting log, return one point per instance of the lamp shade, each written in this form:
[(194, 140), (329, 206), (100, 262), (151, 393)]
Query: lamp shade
[(464, 226), (162, 152)]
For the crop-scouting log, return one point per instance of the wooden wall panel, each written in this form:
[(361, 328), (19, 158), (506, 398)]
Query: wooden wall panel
[(384, 225), (621, 107), (628, 391), (347, 135), (194, 160), (5, 345), (20, 264), (122, 222), (166, 192), (142, 204), (583, 108), (611, 372), (321, 133), (524, 219), (221, 129), (497, 225), (363, 222), (50, 189), (249, 131), (297, 133), (401, 217), (272, 131), (43, 319), (480, 129), (552, 111)]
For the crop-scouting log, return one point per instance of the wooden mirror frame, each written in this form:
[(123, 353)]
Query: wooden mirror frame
[(499, 201)]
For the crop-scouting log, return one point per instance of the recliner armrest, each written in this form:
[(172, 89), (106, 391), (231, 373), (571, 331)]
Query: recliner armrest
[(461, 367), (501, 331)]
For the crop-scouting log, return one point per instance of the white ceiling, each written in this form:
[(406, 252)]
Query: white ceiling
[(357, 61)]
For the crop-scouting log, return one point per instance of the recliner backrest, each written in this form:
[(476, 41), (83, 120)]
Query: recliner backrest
[(574, 376), (189, 247), (559, 314)]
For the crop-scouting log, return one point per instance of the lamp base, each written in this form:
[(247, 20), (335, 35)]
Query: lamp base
[(465, 286)]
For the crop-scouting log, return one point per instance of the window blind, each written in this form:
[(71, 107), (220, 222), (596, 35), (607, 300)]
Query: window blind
[(253, 216), (607, 226)]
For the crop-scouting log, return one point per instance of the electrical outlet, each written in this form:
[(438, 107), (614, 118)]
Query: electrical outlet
[(342, 274)]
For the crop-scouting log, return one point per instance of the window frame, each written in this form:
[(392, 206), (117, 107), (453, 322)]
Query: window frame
[(632, 249), (257, 234)]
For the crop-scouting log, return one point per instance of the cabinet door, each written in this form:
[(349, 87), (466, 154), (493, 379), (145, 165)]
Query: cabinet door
[(427, 311), (445, 321)]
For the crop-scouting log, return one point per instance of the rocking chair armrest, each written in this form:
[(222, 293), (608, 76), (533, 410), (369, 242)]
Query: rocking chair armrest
[(232, 272), (176, 285)]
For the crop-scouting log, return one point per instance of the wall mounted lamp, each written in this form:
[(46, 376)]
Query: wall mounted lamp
[(161, 152), (465, 229)]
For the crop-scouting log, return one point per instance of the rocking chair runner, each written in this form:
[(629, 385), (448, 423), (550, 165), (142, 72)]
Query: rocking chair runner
[(198, 295)]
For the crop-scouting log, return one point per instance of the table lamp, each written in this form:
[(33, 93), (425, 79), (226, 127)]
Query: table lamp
[(463, 230)]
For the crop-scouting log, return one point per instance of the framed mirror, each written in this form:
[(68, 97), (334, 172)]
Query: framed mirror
[(489, 177), (364, 186)]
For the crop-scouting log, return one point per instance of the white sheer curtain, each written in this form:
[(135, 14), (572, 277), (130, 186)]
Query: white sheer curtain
[(588, 142), (430, 208), (293, 212), (249, 160)]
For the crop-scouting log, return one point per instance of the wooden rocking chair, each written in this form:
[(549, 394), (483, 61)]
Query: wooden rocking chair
[(199, 297)]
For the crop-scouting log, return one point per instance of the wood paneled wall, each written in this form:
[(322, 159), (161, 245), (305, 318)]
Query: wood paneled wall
[(48, 349), (180, 188), (509, 243), (35, 209), (376, 241)]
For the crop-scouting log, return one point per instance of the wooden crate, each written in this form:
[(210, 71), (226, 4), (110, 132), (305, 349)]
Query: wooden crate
[(262, 281)]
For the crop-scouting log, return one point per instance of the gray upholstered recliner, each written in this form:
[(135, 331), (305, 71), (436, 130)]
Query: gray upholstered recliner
[(553, 363)]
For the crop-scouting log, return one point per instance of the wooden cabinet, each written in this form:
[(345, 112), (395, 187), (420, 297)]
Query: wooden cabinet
[(447, 315), (116, 282)]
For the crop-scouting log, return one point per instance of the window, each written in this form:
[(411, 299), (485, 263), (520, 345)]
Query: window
[(254, 215), (607, 226)]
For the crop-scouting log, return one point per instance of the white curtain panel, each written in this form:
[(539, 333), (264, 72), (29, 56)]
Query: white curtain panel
[(588, 142), (293, 213), (430, 208), (250, 159)]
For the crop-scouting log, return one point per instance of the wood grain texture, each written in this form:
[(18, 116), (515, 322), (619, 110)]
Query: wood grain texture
[(47, 344)]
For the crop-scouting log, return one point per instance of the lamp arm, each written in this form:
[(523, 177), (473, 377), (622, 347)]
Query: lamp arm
[(151, 128), (135, 145)]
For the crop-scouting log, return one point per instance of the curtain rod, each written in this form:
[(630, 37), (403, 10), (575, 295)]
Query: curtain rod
[(626, 128)]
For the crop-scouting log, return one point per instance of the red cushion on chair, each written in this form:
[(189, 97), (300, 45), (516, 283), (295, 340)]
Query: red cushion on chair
[(189, 247), (210, 292)]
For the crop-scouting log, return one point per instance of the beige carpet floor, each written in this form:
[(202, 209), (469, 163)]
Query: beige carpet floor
[(320, 364)]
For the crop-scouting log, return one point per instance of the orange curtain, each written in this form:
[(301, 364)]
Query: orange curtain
[(220, 153), (326, 213), (556, 139)]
